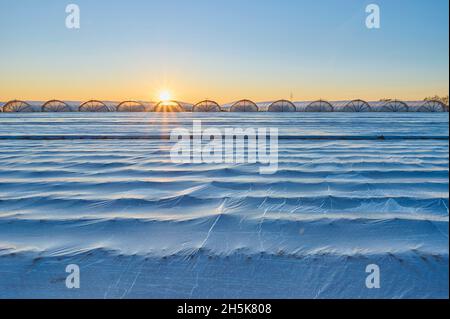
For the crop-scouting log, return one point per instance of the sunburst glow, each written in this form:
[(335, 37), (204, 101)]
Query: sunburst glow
[(165, 96)]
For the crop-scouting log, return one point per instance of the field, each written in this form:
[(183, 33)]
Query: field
[(99, 190)]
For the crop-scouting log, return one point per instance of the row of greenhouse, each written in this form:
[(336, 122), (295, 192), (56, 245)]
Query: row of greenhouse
[(239, 106)]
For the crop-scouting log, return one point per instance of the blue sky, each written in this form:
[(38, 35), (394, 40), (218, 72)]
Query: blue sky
[(223, 49)]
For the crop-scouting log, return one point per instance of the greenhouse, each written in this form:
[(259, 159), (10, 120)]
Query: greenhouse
[(432, 106), (17, 106), (394, 106), (55, 106), (130, 106), (357, 106), (319, 106), (94, 106), (351, 106), (282, 106), (206, 106), (244, 106)]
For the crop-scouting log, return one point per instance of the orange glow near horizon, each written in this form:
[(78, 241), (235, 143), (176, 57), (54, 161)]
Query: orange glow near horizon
[(28, 89)]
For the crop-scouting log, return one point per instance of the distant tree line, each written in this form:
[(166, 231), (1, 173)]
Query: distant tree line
[(442, 99)]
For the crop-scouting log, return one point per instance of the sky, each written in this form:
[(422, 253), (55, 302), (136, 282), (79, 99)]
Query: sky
[(224, 50)]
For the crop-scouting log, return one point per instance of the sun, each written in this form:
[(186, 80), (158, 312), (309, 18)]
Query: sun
[(165, 96)]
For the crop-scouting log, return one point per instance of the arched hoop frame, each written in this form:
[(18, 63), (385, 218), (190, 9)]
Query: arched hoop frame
[(94, 106), (55, 106), (319, 106), (282, 106), (357, 106), (17, 106), (207, 106), (244, 106), (130, 106)]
